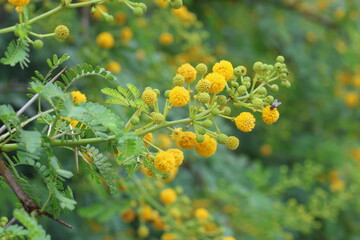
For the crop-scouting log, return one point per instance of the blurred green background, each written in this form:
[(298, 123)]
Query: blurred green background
[(296, 179)]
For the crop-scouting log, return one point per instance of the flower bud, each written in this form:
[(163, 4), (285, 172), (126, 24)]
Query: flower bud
[(232, 143), (258, 103), (221, 100), (240, 71), (226, 111), (234, 84), (262, 91), (258, 67), (38, 44), (176, 4), (178, 80), (109, 18), (274, 88), (241, 90), (207, 123), (269, 99), (138, 11), (201, 130), (134, 120), (287, 84), (215, 112), (201, 69), (157, 91), (221, 138), (280, 59), (203, 85), (158, 118), (166, 94), (62, 32), (203, 97), (200, 138)]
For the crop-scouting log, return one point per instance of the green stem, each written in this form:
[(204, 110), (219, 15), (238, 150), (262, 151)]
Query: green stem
[(42, 35), (167, 124)]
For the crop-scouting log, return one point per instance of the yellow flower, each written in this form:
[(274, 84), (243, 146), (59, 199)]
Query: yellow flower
[(265, 150), (202, 214), (166, 38), (179, 96), (172, 175), (97, 13), (186, 17), (207, 148), (185, 140), (149, 97), (188, 72), (61, 32), (146, 171), (224, 68), (228, 238), (19, 3), (161, 3), (269, 115), (178, 155), (218, 82), (158, 223), (126, 34), (147, 138), (168, 196), (163, 141), (337, 185), (351, 99), (146, 213), (105, 40), (143, 231), (232, 143), (78, 97), (120, 18), (245, 122), (128, 216), (113, 67), (168, 236), (164, 161)]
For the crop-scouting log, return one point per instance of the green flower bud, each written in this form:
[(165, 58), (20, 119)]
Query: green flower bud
[(262, 91), (232, 143), (157, 91), (207, 123), (176, 4), (201, 109), (203, 85), (62, 32), (234, 84), (270, 68), (278, 66), (280, 59), (221, 138), (138, 11), (258, 103), (274, 88), (247, 84), (284, 70), (233, 78), (221, 100), (200, 138), (166, 94), (178, 80), (109, 18), (38, 44), (229, 91), (226, 111), (201, 130), (246, 79), (258, 67), (134, 120), (203, 97), (269, 99), (287, 84), (215, 112), (237, 105), (240, 71), (201, 69), (283, 76), (157, 118), (143, 7), (241, 90)]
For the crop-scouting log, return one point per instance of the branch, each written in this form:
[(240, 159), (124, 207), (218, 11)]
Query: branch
[(28, 204)]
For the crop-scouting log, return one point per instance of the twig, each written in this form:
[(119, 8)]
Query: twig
[(10, 222), (33, 99)]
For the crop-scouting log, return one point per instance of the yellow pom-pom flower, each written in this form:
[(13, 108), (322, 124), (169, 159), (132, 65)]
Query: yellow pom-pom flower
[(120, 18), (269, 115), (143, 231), (105, 40), (128, 216), (19, 3), (161, 3), (232, 143), (224, 68), (126, 34), (185, 140), (351, 99), (146, 213), (164, 161), (245, 122), (207, 148), (147, 138), (228, 238), (168, 196), (168, 236), (61, 32), (78, 97), (113, 67), (187, 71), (202, 214), (166, 39), (179, 96), (218, 82), (149, 97), (178, 155)]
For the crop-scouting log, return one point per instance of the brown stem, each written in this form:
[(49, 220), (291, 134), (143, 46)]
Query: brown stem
[(28, 204)]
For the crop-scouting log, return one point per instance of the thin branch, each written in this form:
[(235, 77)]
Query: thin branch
[(33, 99)]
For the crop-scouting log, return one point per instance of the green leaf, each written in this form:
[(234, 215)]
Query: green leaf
[(35, 230), (8, 116), (31, 140), (17, 52)]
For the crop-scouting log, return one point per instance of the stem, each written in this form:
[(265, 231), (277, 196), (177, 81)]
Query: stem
[(42, 35), (167, 124)]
